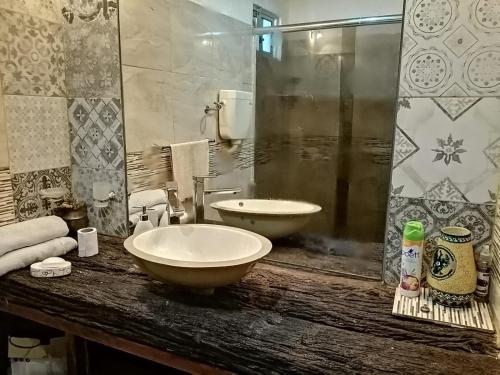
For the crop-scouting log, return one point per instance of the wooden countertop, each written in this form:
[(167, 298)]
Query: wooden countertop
[(276, 320)]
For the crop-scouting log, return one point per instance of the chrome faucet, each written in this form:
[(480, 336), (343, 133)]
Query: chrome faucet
[(199, 196)]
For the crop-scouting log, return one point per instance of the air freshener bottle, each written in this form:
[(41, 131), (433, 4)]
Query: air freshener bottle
[(411, 259)]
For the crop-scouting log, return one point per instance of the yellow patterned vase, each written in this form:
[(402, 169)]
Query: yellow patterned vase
[(452, 274)]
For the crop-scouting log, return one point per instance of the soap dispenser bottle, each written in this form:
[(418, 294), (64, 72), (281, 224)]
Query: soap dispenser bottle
[(144, 224)]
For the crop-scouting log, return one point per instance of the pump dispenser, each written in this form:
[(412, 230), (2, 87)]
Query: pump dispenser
[(144, 224)]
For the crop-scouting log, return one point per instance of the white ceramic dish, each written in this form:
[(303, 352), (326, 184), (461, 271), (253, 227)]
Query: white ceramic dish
[(268, 217), (197, 255)]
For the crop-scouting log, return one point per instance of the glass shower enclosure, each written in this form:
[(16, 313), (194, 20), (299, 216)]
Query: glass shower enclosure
[(324, 120)]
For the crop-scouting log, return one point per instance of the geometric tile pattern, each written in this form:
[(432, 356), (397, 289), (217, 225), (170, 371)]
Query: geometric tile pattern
[(456, 43), (448, 157), (434, 214), (31, 55), (92, 56), (96, 133), (6, 198), (109, 220), (27, 186), (455, 107), (37, 132)]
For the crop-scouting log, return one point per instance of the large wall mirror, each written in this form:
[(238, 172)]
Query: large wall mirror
[(320, 128)]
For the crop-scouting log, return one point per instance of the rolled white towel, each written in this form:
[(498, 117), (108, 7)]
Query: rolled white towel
[(31, 232), (148, 198), (26, 256)]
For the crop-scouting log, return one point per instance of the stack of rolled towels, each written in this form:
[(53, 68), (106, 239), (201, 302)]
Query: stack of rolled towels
[(155, 200), (27, 242)]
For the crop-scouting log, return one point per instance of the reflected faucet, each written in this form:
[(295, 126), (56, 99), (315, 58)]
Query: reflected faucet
[(199, 196)]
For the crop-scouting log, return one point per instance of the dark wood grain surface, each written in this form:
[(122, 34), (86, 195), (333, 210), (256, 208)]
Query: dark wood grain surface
[(276, 320)]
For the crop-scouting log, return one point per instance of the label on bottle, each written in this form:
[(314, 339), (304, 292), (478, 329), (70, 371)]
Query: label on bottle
[(483, 280), (411, 266)]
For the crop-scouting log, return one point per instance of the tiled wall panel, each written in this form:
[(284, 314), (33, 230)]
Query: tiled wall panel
[(6, 198)]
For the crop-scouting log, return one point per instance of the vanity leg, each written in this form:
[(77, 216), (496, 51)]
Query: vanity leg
[(77, 357)]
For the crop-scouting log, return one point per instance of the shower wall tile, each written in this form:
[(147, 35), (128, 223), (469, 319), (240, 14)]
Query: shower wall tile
[(109, 220), (96, 133), (49, 10), (192, 28), (148, 107), (434, 214), (144, 40), (6, 198), (4, 149), (92, 50), (37, 132), (451, 48), (27, 186), (448, 150), (31, 55)]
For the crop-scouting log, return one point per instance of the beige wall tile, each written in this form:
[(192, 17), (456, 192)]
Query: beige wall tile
[(147, 107), (4, 149)]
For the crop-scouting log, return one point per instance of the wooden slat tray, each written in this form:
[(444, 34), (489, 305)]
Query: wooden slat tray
[(475, 316)]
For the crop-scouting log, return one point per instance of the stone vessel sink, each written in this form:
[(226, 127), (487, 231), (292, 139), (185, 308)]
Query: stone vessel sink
[(200, 256), (271, 218)]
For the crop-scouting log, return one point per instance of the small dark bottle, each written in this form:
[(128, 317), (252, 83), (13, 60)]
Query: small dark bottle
[(483, 274)]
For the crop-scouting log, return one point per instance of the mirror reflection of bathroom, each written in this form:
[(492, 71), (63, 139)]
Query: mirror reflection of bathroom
[(286, 132)]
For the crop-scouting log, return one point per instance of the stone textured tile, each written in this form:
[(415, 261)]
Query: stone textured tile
[(49, 10), (37, 131), (6, 198), (144, 30), (451, 46), (83, 11), (96, 133), (31, 55), (434, 214), (111, 220), (149, 113), (448, 151), (191, 29), (27, 186), (92, 51)]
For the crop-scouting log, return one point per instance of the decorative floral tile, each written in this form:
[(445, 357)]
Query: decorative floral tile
[(77, 11), (31, 55), (111, 220), (451, 43), (450, 153), (6, 198), (92, 50), (49, 10), (434, 214), (37, 132), (96, 133), (27, 186)]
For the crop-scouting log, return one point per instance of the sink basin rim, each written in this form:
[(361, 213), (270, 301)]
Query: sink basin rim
[(314, 208), (265, 248)]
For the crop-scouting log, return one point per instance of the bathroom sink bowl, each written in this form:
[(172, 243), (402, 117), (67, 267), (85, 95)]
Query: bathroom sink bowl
[(268, 217), (198, 256)]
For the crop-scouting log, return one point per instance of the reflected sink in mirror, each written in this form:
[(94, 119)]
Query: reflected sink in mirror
[(271, 218), (200, 256)]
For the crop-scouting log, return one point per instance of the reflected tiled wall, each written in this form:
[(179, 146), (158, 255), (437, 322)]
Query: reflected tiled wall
[(446, 155), (176, 56)]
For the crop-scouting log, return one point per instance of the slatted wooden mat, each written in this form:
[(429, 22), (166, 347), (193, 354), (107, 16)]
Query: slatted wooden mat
[(475, 316)]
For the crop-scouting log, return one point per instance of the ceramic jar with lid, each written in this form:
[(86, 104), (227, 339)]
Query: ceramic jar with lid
[(452, 275)]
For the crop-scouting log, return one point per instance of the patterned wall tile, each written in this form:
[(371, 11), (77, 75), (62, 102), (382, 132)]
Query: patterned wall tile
[(27, 186), (91, 49), (143, 176), (37, 131), (434, 214), (110, 220), (31, 55), (96, 133), (6, 198), (449, 44), (49, 10), (446, 151)]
